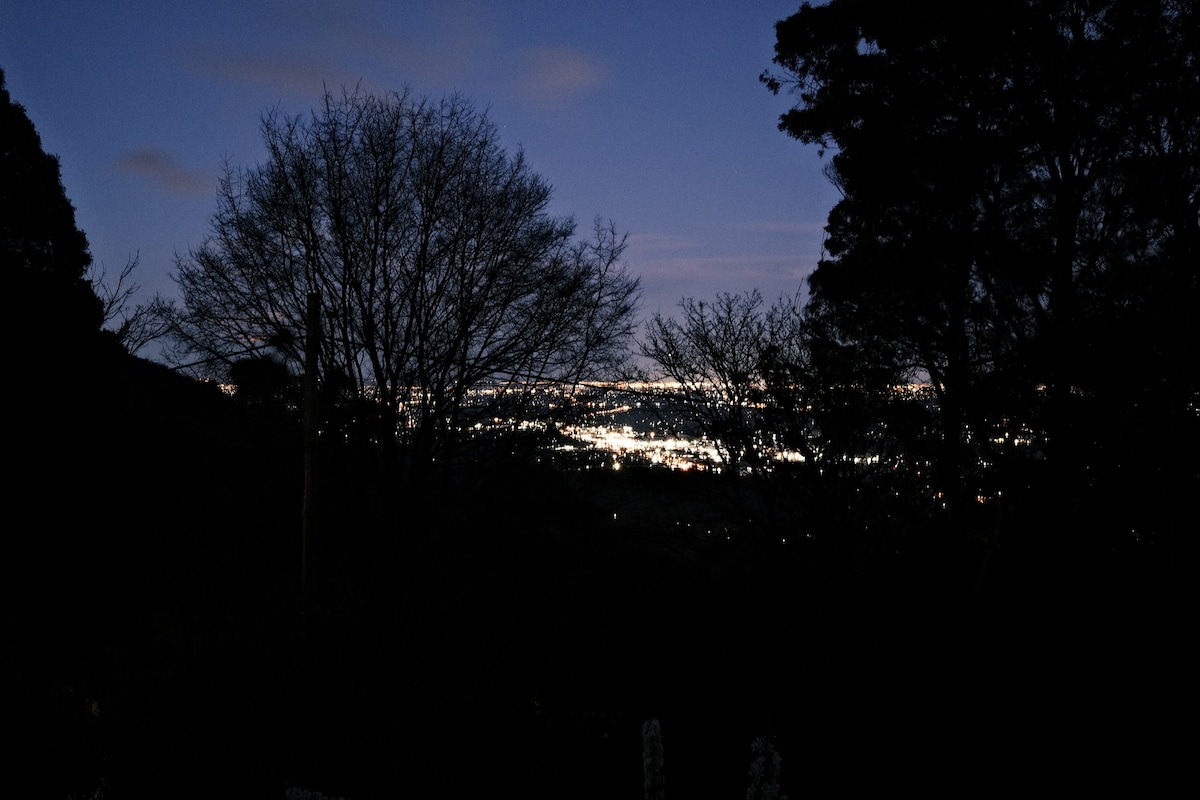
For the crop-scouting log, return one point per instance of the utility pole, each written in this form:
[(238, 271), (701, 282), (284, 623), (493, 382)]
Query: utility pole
[(312, 344)]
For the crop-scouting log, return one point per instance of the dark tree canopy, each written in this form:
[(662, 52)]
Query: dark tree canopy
[(433, 258), (44, 255), (1020, 214)]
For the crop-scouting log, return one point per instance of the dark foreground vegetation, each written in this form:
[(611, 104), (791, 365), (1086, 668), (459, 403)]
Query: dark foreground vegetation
[(513, 636)]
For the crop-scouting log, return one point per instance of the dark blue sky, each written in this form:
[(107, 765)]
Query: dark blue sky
[(648, 113)]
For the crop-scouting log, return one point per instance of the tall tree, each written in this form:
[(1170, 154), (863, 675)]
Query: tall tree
[(720, 355), (1018, 179), (435, 261), (811, 426)]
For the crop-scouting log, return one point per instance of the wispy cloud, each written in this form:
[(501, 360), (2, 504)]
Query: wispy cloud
[(553, 75), (672, 266), (731, 269), (666, 280), (658, 243), (785, 227), (164, 170), (345, 42), (288, 72)]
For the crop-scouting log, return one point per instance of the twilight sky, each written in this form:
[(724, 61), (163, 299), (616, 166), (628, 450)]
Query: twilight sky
[(647, 113)]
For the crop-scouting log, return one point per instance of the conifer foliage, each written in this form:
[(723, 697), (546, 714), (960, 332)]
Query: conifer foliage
[(44, 255)]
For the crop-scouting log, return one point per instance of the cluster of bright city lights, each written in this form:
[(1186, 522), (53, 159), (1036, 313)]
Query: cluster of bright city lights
[(676, 453)]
